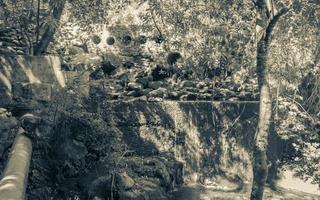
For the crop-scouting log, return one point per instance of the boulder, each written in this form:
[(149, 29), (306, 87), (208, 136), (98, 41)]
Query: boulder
[(205, 90), (173, 95), (124, 181), (205, 97), (135, 93), (97, 74), (160, 92), (74, 50), (135, 86), (188, 84), (201, 85), (156, 84), (189, 97), (143, 81), (191, 89), (219, 96)]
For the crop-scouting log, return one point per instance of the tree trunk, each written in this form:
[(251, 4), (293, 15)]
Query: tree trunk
[(267, 17), (260, 168), (50, 31), (38, 22)]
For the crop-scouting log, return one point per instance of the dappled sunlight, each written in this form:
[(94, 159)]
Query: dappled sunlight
[(5, 81), (27, 70), (10, 178), (7, 186), (290, 181), (54, 62)]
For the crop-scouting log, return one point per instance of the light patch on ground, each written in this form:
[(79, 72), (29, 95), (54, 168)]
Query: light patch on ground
[(289, 181)]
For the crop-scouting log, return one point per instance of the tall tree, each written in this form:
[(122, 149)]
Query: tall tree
[(267, 17), (42, 45)]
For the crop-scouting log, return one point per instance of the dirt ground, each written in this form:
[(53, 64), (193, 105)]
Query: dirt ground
[(200, 192)]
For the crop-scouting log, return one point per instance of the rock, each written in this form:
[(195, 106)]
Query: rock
[(29, 122), (143, 81), (135, 93), (116, 87), (155, 84), (121, 76), (191, 89), (189, 97), (4, 112), (145, 92), (74, 50), (173, 95), (115, 96), (155, 99), (124, 181), (205, 97), (80, 67), (188, 84), (201, 85), (128, 65), (160, 92), (205, 90), (218, 97), (135, 86), (97, 74), (233, 99)]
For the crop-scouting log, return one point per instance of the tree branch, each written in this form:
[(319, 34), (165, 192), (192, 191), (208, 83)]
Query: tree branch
[(273, 23)]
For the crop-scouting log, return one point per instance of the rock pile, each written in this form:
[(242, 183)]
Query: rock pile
[(163, 83)]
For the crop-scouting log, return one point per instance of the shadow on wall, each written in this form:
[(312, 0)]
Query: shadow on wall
[(209, 137), (28, 70), (225, 133)]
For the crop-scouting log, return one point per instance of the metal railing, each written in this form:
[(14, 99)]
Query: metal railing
[(14, 179)]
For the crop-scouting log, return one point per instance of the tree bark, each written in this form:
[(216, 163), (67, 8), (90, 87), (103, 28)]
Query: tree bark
[(267, 18), (47, 36), (38, 22)]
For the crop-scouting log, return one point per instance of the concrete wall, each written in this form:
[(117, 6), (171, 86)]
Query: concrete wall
[(207, 136), (32, 70)]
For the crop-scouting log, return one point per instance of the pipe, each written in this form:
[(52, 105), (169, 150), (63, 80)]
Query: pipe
[(15, 176)]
